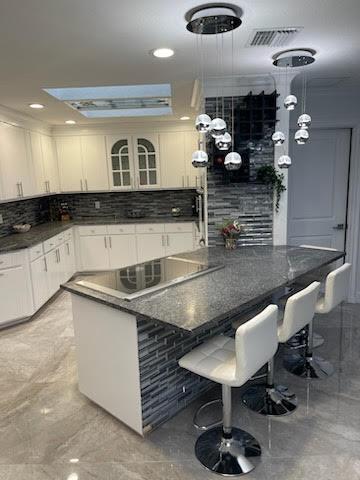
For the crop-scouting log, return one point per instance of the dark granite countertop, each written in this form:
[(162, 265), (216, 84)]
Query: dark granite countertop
[(250, 274), (40, 233)]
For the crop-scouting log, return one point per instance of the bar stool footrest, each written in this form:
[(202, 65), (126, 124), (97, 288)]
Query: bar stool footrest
[(200, 409)]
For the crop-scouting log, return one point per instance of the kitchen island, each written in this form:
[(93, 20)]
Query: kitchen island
[(128, 350)]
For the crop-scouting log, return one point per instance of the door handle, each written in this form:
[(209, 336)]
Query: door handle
[(58, 251), (68, 249), (163, 240), (339, 226), (18, 189), (110, 243), (105, 242), (45, 265)]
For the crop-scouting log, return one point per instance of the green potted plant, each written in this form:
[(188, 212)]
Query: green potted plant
[(268, 175), (230, 230)]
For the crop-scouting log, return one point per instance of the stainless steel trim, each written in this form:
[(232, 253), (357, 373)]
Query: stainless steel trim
[(156, 288)]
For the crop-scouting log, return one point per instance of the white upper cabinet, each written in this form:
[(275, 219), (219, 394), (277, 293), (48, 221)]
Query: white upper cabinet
[(51, 173), (120, 162), (133, 162), (69, 161), (43, 163), (176, 149), (172, 155), (82, 163), (17, 175), (93, 154), (146, 154)]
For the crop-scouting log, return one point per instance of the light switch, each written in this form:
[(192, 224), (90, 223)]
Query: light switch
[(1, 219), (97, 205)]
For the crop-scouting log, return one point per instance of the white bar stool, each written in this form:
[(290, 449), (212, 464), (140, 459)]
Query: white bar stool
[(298, 341), (271, 399), (231, 362), (336, 291)]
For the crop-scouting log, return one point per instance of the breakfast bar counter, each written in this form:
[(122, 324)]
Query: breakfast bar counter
[(128, 350)]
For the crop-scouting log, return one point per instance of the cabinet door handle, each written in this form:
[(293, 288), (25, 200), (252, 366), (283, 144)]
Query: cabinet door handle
[(168, 240), (105, 242), (18, 189), (86, 184), (188, 180), (59, 256), (183, 180), (81, 185), (68, 248), (163, 240), (46, 189), (110, 244), (45, 265), (49, 190)]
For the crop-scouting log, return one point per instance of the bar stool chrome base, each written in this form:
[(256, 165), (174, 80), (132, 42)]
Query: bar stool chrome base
[(233, 456), (308, 367), (299, 341), (274, 401)]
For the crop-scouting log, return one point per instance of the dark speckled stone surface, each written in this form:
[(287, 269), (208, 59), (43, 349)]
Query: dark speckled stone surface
[(40, 233), (250, 274)]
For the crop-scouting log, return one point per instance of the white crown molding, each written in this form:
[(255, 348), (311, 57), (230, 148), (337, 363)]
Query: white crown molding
[(17, 119)]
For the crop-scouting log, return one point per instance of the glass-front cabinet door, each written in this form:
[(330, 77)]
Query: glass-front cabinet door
[(146, 150), (120, 159)]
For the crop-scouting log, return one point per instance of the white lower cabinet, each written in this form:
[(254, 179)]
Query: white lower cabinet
[(94, 252), (150, 246), (122, 250), (39, 278), (15, 300), (179, 242)]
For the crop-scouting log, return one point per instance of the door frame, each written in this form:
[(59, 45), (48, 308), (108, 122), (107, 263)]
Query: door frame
[(352, 233)]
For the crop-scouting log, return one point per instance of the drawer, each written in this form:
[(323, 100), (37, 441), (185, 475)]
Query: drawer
[(59, 239), (87, 230), (119, 229), (50, 244), (150, 228), (186, 227), (12, 259), (36, 252), (68, 235)]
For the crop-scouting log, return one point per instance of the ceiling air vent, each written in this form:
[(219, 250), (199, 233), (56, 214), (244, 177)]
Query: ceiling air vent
[(273, 37)]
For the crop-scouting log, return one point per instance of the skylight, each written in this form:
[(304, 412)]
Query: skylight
[(117, 101)]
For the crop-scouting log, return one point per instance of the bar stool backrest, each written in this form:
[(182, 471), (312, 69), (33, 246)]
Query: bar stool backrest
[(256, 343), (299, 311), (336, 288)]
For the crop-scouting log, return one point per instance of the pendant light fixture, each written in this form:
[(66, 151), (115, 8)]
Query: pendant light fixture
[(294, 59), (212, 19)]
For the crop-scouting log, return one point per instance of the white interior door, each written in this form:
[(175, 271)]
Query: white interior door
[(318, 182)]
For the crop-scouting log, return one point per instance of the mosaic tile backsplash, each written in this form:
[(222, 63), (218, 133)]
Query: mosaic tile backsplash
[(82, 205)]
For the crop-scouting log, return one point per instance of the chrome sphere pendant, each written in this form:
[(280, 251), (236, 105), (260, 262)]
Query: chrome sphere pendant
[(232, 161), (301, 136), (202, 123), (223, 142), (278, 138), (304, 121), (290, 102), (284, 161), (217, 127), (200, 159)]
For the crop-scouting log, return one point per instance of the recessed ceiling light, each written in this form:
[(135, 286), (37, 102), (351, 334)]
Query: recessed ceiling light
[(163, 52), (70, 122), (36, 105), (184, 118)]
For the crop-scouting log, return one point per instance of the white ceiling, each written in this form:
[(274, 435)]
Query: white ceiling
[(62, 43)]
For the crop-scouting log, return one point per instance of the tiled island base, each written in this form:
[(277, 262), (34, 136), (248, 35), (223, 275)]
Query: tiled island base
[(130, 367)]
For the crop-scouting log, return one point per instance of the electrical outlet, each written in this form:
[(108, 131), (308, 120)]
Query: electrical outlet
[(97, 205), (184, 389), (1, 219)]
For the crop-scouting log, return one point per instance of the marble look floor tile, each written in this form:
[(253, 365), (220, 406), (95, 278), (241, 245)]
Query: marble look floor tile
[(45, 421)]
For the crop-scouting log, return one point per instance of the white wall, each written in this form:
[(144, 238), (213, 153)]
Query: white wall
[(340, 108)]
